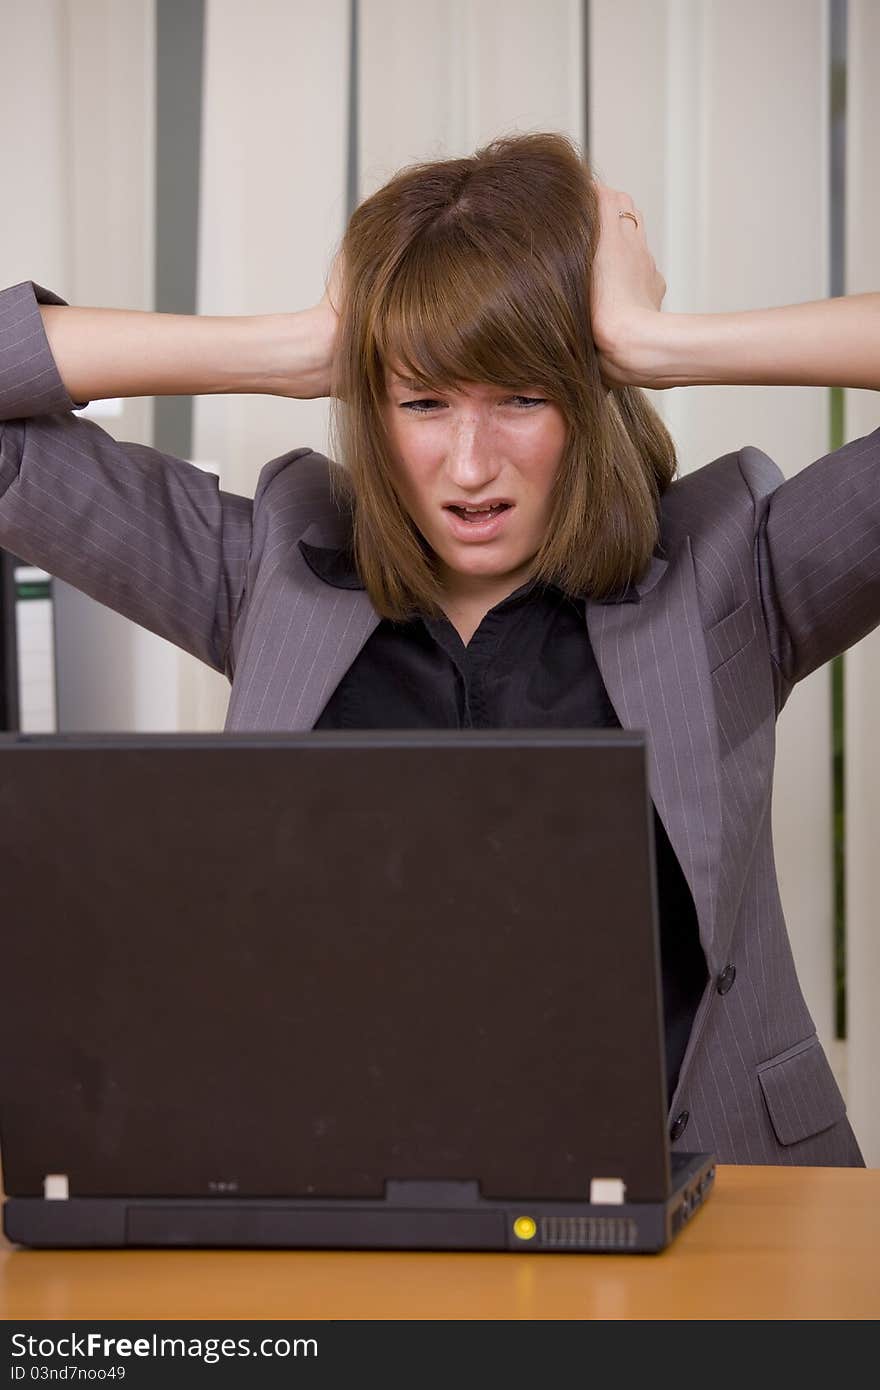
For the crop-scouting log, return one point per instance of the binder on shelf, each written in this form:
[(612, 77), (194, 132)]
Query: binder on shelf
[(27, 675)]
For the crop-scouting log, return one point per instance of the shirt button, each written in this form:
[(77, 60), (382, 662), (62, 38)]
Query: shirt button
[(726, 979), (679, 1125)]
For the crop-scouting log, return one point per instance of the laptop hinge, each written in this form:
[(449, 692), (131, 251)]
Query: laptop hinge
[(442, 1193)]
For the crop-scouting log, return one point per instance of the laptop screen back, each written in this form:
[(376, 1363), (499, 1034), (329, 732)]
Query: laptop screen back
[(293, 965)]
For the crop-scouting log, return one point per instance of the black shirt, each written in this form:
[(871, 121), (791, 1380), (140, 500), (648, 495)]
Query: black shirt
[(530, 664)]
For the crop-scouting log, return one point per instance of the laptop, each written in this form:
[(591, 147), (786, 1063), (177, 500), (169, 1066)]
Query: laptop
[(388, 990)]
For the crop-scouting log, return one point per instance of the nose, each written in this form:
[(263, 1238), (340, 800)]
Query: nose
[(471, 460)]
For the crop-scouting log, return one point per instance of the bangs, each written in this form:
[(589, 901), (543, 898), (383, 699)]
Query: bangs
[(452, 314)]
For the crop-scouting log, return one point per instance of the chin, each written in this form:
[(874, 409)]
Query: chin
[(465, 561)]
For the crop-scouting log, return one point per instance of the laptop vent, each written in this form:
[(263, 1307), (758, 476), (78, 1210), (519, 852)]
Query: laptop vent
[(588, 1232)]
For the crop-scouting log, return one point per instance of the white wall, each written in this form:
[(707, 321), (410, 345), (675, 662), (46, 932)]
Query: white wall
[(439, 78)]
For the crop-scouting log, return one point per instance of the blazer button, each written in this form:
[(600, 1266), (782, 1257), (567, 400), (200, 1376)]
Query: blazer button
[(726, 979), (679, 1125)]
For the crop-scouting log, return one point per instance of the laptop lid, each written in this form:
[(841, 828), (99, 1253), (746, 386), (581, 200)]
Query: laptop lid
[(289, 965)]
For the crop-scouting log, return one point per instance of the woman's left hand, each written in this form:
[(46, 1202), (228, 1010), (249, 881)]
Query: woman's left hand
[(626, 289)]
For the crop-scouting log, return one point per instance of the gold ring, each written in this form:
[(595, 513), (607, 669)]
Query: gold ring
[(630, 215)]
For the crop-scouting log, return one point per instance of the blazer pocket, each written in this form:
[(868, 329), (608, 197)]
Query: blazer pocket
[(800, 1092), (730, 634)]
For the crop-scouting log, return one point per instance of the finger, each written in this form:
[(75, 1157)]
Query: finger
[(612, 200), (621, 200), (615, 201)]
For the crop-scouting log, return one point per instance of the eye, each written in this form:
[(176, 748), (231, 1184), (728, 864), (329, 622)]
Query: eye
[(423, 407)]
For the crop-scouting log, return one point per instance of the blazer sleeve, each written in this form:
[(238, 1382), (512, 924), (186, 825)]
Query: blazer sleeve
[(147, 534), (817, 553)]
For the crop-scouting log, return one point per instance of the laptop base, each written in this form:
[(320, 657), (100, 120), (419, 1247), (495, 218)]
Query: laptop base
[(412, 1216)]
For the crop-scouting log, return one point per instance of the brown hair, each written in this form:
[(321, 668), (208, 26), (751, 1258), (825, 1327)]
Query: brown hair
[(478, 269)]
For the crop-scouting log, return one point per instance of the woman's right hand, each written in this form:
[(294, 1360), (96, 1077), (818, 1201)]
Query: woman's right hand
[(332, 297), (320, 334), (304, 354)]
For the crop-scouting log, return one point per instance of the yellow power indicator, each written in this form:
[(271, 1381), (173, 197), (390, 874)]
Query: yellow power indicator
[(524, 1227)]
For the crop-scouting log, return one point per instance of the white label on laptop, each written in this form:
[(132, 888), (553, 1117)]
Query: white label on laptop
[(607, 1192), (56, 1187)]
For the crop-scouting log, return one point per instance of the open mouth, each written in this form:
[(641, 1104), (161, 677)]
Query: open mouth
[(480, 514)]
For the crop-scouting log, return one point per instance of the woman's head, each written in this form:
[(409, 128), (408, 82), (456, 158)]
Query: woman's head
[(466, 372)]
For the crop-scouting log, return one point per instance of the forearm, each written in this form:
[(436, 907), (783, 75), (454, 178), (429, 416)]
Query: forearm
[(125, 352), (827, 342)]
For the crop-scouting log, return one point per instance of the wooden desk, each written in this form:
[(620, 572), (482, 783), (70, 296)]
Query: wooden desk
[(770, 1243)]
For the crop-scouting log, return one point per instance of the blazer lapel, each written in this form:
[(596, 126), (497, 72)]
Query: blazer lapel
[(652, 656), (314, 630), (348, 618)]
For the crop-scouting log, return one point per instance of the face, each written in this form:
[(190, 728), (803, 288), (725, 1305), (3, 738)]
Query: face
[(467, 448)]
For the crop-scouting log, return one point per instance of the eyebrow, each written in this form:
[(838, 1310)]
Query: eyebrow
[(409, 384)]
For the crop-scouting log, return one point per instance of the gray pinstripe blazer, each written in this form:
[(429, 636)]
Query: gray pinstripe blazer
[(757, 581)]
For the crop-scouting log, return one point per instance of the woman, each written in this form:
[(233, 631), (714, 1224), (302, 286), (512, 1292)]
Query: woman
[(505, 546)]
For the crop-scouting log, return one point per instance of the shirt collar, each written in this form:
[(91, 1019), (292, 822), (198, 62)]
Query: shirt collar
[(335, 565)]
